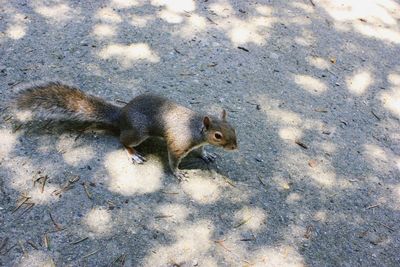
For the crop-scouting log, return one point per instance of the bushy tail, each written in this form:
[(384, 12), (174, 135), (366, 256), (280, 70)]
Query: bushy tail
[(63, 101)]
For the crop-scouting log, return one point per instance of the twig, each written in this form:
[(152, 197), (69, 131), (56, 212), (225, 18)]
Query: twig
[(22, 247), (32, 244), (79, 241), (90, 254), (120, 259), (8, 118), (312, 3), (308, 231), (226, 179), (210, 20), (261, 181), (242, 222), (87, 190), (248, 239), (47, 124), (67, 186), (298, 142), (221, 243), (177, 51), (163, 216), (46, 241), (376, 116), (121, 101), (58, 227), (5, 252), (25, 199), (44, 182), (17, 128), (373, 206), (27, 209), (388, 227), (243, 48), (3, 243)]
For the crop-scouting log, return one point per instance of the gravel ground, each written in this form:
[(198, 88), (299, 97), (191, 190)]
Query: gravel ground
[(311, 85)]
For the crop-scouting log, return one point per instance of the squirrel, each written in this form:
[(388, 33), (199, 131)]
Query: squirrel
[(146, 115)]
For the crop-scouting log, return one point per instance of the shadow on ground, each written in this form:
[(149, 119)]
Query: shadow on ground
[(312, 86)]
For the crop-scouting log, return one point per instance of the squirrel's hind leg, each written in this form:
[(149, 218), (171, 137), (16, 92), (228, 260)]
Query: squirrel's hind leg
[(131, 139)]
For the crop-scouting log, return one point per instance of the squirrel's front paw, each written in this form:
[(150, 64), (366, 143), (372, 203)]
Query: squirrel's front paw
[(137, 158), (209, 157), (181, 175)]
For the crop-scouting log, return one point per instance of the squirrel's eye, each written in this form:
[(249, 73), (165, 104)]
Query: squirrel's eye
[(218, 136)]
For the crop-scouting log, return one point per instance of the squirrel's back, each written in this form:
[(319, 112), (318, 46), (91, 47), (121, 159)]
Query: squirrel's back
[(57, 99)]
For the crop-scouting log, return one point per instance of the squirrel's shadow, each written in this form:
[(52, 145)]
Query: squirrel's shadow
[(152, 146)]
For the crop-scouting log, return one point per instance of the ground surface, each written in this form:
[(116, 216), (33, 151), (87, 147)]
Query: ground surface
[(313, 88)]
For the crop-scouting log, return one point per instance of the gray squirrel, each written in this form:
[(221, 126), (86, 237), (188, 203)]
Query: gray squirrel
[(145, 116)]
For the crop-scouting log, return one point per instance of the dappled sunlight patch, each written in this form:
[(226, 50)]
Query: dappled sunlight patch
[(379, 33), (327, 147), (391, 98), (250, 218), (79, 155), (391, 101), (170, 17), (56, 13), (310, 84), (140, 21), (374, 152), (20, 180), (359, 82), (377, 157), (174, 10), (396, 195), (394, 78), (277, 256), (293, 198), (264, 10), (23, 115), (99, 221), (190, 241), (303, 7), (129, 179), (222, 8), (242, 31), (177, 6), (318, 62), (16, 31), (104, 30), (35, 258), (323, 174), (320, 216), (305, 39), (177, 211), (7, 142), (72, 154), (202, 189), (126, 3), (285, 117), (127, 55), (108, 14), (290, 134), (40, 198), (253, 30), (373, 18), (195, 23)]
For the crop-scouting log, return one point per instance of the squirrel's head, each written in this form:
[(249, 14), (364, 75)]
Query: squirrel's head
[(219, 132)]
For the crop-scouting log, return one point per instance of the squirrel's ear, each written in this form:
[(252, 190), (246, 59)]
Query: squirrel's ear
[(206, 122), (223, 115)]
